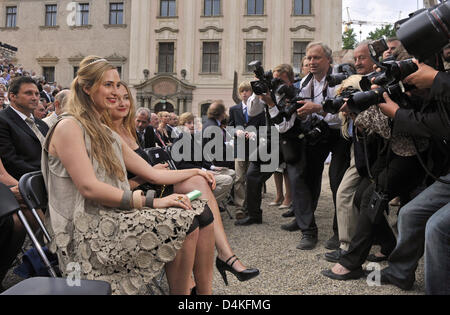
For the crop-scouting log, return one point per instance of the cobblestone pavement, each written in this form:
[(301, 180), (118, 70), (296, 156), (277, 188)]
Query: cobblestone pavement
[(284, 269)]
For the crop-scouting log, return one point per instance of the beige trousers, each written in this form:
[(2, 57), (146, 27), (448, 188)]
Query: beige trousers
[(224, 184), (347, 213), (240, 186)]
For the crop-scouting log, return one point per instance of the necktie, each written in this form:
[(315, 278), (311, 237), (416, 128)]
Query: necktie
[(160, 139), (142, 139), (246, 115), (35, 129)]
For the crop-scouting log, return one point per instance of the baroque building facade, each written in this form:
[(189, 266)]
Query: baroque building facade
[(178, 55)]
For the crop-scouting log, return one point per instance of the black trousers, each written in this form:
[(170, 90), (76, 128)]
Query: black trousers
[(403, 174), (306, 178), (255, 182), (11, 242)]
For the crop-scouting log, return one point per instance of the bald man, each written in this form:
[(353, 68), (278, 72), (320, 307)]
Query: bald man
[(60, 102)]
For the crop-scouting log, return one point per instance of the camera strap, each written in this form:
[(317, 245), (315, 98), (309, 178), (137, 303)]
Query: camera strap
[(366, 156), (422, 163), (325, 87)]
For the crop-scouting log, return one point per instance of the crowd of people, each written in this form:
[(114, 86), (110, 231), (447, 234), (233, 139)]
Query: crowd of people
[(105, 194)]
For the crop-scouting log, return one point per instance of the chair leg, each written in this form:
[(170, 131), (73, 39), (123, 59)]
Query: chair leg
[(36, 244), (41, 224)]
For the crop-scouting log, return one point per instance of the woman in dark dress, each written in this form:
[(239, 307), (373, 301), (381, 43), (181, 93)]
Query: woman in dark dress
[(121, 120)]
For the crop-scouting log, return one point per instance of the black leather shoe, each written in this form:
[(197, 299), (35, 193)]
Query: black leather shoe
[(352, 275), (291, 227), (374, 258), (335, 255), (307, 242), (332, 243), (387, 279), (288, 214), (248, 221)]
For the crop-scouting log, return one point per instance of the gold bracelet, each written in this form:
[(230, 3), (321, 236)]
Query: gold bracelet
[(137, 199)]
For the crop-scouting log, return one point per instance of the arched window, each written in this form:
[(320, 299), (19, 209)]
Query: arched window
[(164, 107)]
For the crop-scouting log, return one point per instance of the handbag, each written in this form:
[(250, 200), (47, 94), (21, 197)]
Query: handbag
[(292, 150), (379, 203)]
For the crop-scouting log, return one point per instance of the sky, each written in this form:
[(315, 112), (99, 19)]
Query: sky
[(376, 11)]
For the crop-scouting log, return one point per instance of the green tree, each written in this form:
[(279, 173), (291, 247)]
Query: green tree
[(387, 31), (349, 38)]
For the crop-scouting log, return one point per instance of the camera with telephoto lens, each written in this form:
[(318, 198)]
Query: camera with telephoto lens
[(333, 105), (389, 80), (343, 72), (287, 102), (426, 31)]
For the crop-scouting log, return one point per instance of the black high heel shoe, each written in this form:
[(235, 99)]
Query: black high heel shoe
[(244, 275)]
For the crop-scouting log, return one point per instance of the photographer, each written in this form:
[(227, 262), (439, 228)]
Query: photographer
[(305, 158), (315, 91), (397, 172), (347, 211), (424, 223), (255, 177)]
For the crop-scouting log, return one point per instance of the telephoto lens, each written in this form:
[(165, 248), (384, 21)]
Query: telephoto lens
[(333, 105), (426, 33), (361, 101), (396, 71)]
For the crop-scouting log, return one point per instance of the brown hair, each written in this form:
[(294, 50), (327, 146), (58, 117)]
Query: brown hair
[(285, 68), (216, 109)]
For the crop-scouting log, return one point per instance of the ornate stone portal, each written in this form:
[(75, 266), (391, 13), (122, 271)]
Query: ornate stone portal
[(165, 93)]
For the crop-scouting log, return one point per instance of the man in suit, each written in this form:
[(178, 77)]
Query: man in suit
[(240, 118), (21, 135), (213, 137), (172, 129), (144, 131), (216, 114), (46, 93)]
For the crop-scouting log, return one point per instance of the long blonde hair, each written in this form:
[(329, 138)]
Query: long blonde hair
[(351, 82), (81, 106), (128, 122)]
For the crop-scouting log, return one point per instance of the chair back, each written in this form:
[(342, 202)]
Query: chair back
[(32, 188), (160, 156), (8, 202)]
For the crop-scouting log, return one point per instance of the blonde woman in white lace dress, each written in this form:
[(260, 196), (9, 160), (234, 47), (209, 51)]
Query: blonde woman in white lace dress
[(97, 223)]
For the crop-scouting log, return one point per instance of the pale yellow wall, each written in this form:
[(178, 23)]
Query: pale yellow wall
[(62, 42), (138, 41), (184, 30)]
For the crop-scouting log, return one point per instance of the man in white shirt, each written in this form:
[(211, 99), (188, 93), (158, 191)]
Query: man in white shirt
[(319, 57), (306, 173)]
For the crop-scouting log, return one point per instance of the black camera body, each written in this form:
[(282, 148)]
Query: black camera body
[(333, 105), (289, 95), (265, 81), (344, 71), (389, 80), (287, 104)]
